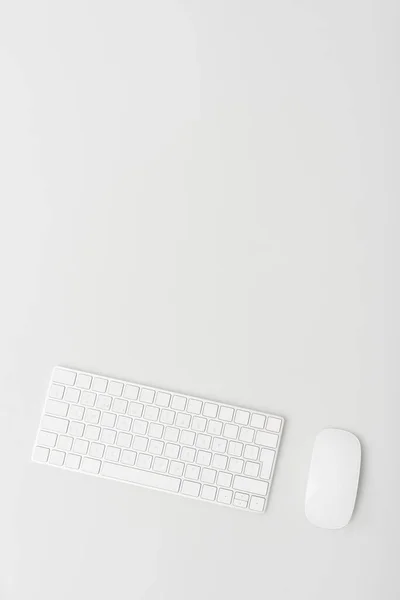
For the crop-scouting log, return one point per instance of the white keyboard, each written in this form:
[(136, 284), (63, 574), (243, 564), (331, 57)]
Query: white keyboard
[(158, 439)]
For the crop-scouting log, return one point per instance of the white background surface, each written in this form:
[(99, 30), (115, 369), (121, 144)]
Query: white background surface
[(200, 196)]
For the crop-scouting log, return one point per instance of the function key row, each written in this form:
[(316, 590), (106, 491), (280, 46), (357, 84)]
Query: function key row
[(88, 386)]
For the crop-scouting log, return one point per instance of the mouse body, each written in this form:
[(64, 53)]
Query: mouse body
[(333, 478)]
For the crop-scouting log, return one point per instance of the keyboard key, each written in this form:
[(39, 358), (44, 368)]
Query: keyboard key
[(252, 469), (83, 381), (190, 488), (242, 417), (160, 464), (76, 412), (267, 439), (203, 441), (188, 454), (254, 486), (257, 421), (171, 450), (88, 398), (156, 447), (135, 409), (226, 413), (246, 434), (139, 426), (120, 406), (203, 458), (235, 448), (96, 450), (55, 424), (144, 461), (57, 458), (92, 432), (56, 391), (251, 452), (239, 503), (219, 445), (108, 436), (103, 402), (214, 427), (194, 406), (46, 438), (183, 420), (128, 457), (90, 465), (151, 413), (192, 472), (163, 399), (225, 496), (147, 478), (139, 443), (224, 479), (99, 384), (267, 460), (274, 424), (241, 496), (64, 442), (113, 453), (125, 440), (257, 504), (208, 492), (115, 388), (76, 429), (219, 461), (235, 465), (187, 438), (41, 454), (72, 395), (147, 396), (199, 424), (73, 461), (178, 403), (208, 475), (231, 431), (156, 430), (64, 376), (131, 392), (92, 416), (171, 434), (124, 423), (81, 446), (108, 419), (176, 468), (167, 416), (210, 410)]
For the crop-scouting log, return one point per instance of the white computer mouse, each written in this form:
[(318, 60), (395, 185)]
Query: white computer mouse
[(333, 478)]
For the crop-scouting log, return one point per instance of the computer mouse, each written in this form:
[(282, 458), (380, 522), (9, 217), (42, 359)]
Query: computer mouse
[(333, 478)]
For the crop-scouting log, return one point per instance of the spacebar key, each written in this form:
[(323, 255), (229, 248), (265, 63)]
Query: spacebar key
[(146, 478)]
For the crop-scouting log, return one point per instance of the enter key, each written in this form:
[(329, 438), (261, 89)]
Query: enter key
[(267, 460)]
